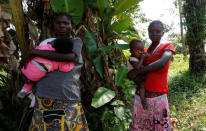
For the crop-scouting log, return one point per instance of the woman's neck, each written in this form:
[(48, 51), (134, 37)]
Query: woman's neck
[(64, 36), (153, 46)]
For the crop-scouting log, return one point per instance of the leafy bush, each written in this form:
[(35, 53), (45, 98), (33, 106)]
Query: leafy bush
[(187, 95)]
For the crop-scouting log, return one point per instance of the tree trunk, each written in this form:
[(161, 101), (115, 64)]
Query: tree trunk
[(195, 20), (197, 58), (20, 25)]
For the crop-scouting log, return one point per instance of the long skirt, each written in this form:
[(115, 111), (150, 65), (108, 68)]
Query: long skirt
[(154, 118), (56, 115)]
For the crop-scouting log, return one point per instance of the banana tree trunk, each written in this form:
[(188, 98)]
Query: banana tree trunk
[(20, 25)]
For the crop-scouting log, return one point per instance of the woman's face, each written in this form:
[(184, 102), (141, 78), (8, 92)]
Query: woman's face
[(62, 26), (155, 33)]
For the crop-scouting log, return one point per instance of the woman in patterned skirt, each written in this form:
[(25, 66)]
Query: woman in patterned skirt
[(58, 103)]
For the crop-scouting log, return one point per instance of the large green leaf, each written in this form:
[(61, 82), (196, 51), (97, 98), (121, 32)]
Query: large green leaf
[(121, 75), (120, 46), (119, 112), (91, 44), (123, 5), (102, 96), (101, 6), (74, 8), (98, 63), (90, 40), (121, 24)]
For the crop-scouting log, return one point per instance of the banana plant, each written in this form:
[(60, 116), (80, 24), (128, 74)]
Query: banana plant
[(75, 8)]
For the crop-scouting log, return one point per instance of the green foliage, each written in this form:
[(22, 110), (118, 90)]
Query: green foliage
[(187, 95), (119, 46), (101, 5), (114, 18), (11, 108), (75, 8), (117, 119), (95, 56), (122, 24), (195, 20), (102, 96), (121, 75), (123, 5), (129, 91), (178, 49)]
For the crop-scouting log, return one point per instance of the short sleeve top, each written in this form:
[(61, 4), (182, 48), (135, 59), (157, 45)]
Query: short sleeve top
[(63, 85), (156, 81)]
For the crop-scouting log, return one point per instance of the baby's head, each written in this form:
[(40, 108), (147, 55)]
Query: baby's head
[(136, 47), (63, 45)]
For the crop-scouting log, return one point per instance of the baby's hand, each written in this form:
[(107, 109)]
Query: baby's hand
[(145, 55)]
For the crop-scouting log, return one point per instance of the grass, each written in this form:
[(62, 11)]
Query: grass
[(187, 96)]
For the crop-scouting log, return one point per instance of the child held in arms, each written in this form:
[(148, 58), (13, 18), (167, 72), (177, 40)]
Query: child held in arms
[(38, 67), (135, 61)]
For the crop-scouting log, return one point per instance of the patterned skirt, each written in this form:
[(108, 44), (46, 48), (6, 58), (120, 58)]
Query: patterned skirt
[(155, 118), (56, 115)]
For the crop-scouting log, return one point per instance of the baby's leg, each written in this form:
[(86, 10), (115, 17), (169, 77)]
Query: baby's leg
[(34, 71), (26, 90), (27, 87), (142, 95)]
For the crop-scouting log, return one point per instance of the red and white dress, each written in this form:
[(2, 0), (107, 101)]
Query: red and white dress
[(156, 117)]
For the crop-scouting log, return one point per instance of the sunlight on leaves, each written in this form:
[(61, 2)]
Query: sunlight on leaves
[(102, 96)]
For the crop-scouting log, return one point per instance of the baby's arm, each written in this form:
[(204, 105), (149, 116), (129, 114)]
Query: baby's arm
[(137, 64)]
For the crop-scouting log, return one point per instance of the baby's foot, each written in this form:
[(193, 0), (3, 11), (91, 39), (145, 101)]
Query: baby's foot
[(32, 97), (22, 93)]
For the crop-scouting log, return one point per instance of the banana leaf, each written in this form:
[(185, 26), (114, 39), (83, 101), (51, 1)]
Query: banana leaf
[(74, 8), (121, 24), (124, 5), (102, 96), (121, 75), (109, 47), (91, 45)]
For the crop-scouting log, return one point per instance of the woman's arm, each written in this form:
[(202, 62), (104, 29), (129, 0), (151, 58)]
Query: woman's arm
[(51, 55), (157, 64), (151, 67)]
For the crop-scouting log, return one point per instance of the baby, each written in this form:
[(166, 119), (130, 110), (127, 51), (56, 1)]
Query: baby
[(135, 61), (38, 67)]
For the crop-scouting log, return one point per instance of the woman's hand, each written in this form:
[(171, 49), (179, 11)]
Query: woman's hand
[(145, 55), (29, 55), (134, 74)]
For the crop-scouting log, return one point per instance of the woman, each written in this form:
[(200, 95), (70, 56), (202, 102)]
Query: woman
[(58, 102), (156, 116)]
